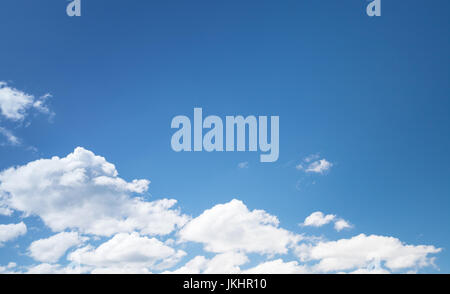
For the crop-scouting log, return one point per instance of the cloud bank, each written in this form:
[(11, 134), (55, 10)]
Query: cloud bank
[(102, 223)]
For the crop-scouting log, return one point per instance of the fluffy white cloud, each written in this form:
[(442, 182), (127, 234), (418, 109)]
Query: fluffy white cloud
[(374, 268), (8, 269), (124, 270), (342, 224), (232, 262), (318, 219), (229, 263), (5, 210), (311, 164), (130, 252), (15, 103), (232, 227), (361, 251), (278, 266), (51, 249), (319, 166), (11, 231), (82, 191), (47, 268)]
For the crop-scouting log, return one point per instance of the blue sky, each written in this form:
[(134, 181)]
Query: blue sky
[(368, 95)]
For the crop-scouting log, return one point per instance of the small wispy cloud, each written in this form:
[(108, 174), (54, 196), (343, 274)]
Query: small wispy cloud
[(244, 164), (40, 105), (312, 164), (311, 158), (319, 219), (13, 102), (319, 166), (10, 137), (342, 224), (16, 105)]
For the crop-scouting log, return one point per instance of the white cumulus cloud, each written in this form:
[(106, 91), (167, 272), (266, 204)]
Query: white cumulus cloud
[(56, 269), (319, 166), (51, 249), (15, 106), (11, 231), (275, 267), (228, 262), (82, 195), (14, 103), (232, 263), (130, 252), (318, 219), (83, 192), (5, 210), (361, 251), (342, 224), (232, 227)]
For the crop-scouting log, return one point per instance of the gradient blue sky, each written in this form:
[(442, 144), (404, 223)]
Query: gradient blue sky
[(371, 95)]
